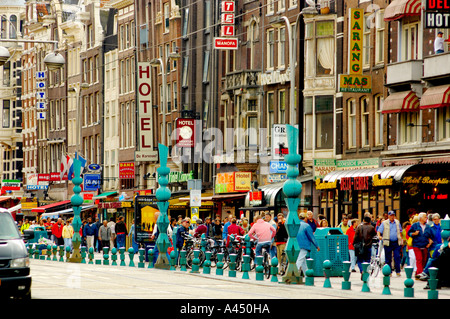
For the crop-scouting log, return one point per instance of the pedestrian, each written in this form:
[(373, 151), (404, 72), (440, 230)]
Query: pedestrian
[(67, 234), (422, 240), (112, 226), (405, 257), (245, 225), (97, 242), (182, 234), (281, 237), (362, 241), (411, 255), (217, 229), (264, 233), (104, 235), (209, 227), (390, 232), (57, 232), (436, 230), (25, 225), (201, 228), (439, 43), (134, 243), (311, 221), (227, 222), (268, 218), (121, 232), (351, 249), (89, 231), (344, 226), (323, 224), (305, 237), (234, 229)]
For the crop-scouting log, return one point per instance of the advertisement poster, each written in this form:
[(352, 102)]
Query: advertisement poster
[(145, 217)]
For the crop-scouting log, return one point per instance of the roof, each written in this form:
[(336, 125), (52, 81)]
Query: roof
[(42, 209)]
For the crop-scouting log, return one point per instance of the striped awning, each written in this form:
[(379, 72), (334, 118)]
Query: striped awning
[(398, 102), (398, 9), (436, 96)]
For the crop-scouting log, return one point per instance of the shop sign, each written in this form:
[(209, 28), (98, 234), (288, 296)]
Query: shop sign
[(127, 204), (275, 77), (88, 198), (321, 185), (256, 198), (91, 182), (145, 150), (195, 197), (353, 83), (380, 182), (360, 183), (242, 181), (224, 183), (28, 203), (426, 180), (280, 142), (126, 170), (55, 177), (43, 177), (276, 178), (233, 182), (195, 213), (278, 167), (179, 177), (358, 164), (185, 129), (144, 217), (323, 166), (144, 192), (108, 205), (11, 185)]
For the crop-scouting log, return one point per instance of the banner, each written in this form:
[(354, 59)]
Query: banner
[(126, 170)]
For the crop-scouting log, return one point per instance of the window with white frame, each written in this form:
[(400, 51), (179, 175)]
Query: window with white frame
[(282, 106), (325, 54), (379, 37), (281, 5), (270, 115), (292, 3), (410, 44), (166, 17), (443, 127), (365, 126), (281, 47), (351, 123), (324, 121), (270, 48), (270, 6), (408, 131), (379, 119), (367, 44)]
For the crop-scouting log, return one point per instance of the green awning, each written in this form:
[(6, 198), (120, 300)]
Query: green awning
[(104, 195)]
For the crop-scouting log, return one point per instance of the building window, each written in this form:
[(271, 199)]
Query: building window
[(175, 95), (185, 22), (309, 120), (366, 40), (379, 120), (408, 133), (410, 49), (351, 122), (282, 106), (205, 77), (365, 122), (252, 131), (6, 113), (379, 45), (185, 71), (324, 122), (270, 48), (270, 6), (270, 116), (13, 27), (281, 47), (325, 47), (443, 114), (166, 17)]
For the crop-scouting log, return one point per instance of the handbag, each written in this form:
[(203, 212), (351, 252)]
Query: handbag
[(409, 242), (359, 248)]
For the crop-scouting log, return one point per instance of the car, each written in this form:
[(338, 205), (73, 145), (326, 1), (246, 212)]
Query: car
[(15, 277)]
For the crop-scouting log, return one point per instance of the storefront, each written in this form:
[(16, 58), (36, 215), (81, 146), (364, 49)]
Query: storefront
[(378, 190), (49, 208)]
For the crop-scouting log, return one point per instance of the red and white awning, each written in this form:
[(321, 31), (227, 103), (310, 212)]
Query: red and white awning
[(398, 102), (398, 9), (436, 96)]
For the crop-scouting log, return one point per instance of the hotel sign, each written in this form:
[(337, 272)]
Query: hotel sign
[(355, 81), (227, 19), (437, 14)]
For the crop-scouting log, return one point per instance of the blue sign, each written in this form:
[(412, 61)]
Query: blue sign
[(91, 182), (278, 167)]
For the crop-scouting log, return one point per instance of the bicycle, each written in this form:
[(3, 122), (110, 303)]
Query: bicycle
[(266, 260), (375, 264), (238, 247)]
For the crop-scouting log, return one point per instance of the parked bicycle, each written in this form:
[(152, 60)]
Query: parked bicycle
[(376, 262)]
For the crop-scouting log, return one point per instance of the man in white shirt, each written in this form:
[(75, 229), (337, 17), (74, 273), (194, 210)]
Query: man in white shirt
[(439, 43)]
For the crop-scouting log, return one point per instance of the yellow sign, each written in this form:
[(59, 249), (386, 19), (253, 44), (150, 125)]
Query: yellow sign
[(426, 180), (242, 181), (355, 83), (356, 40), (320, 184), (377, 181)]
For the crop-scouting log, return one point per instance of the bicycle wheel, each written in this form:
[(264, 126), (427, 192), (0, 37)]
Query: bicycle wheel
[(282, 264), (374, 268), (266, 264), (190, 258)]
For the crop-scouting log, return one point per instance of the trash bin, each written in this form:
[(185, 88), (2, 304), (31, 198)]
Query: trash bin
[(333, 245), (39, 232)]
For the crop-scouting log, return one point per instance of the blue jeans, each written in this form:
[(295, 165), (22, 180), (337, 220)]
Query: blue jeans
[(272, 250), (388, 250), (121, 240)]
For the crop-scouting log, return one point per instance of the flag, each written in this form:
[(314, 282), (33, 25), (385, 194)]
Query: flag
[(66, 163), (71, 168)]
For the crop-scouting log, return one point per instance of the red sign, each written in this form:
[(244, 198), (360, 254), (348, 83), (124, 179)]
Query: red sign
[(126, 170), (226, 43), (43, 177), (227, 31), (355, 183), (185, 132), (437, 5), (55, 177), (227, 18), (228, 6)]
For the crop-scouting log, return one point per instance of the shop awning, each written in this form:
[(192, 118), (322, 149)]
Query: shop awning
[(271, 191), (398, 102), (66, 211), (395, 172), (15, 208), (436, 96), (104, 195), (43, 209), (4, 198), (228, 196), (399, 9)]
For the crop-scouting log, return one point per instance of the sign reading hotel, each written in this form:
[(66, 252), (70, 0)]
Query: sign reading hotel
[(145, 115), (227, 33), (355, 81), (41, 106), (437, 14), (233, 182)]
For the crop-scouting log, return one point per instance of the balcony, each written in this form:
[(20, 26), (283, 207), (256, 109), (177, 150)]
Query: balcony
[(242, 80), (436, 66), (405, 72)]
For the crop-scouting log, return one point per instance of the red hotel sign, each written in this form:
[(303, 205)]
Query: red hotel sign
[(226, 43)]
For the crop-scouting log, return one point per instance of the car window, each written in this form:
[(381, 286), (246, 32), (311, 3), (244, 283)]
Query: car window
[(7, 228)]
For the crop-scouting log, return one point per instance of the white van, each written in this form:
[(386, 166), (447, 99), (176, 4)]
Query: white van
[(15, 278)]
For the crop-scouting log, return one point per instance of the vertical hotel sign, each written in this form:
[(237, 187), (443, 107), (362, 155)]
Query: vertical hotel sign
[(41, 106), (227, 41), (145, 115), (355, 81)]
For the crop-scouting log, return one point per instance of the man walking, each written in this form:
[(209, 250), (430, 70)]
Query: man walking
[(281, 236), (104, 234), (121, 232), (305, 237), (89, 231), (390, 231), (364, 235), (57, 232)]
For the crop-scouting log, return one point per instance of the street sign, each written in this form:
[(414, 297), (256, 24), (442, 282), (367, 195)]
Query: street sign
[(226, 43), (91, 182)]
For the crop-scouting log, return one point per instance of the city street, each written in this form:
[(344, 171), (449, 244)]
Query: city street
[(57, 280)]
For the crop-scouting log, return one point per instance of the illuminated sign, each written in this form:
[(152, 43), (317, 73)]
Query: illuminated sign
[(377, 181), (320, 184), (425, 180)]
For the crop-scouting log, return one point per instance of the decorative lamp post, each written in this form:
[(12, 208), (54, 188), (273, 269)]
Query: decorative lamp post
[(76, 200), (292, 188), (163, 195)]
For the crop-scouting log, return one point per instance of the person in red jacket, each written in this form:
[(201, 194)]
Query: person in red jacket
[(351, 249), (234, 229), (57, 232)]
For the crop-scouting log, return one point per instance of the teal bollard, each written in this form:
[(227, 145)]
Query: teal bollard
[(83, 254), (246, 267), (91, 255), (30, 251), (183, 260), (68, 253), (386, 279), (309, 280), (248, 245), (346, 284), (131, 255), (327, 272), (433, 283), (207, 263), (196, 262), (173, 260), (55, 252), (114, 256), (122, 256), (219, 265), (365, 277), (151, 253), (49, 252), (36, 252), (274, 269), (232, 266), (61, 253), (141, 263), (259, 268), (105, 255), (408, 291)]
